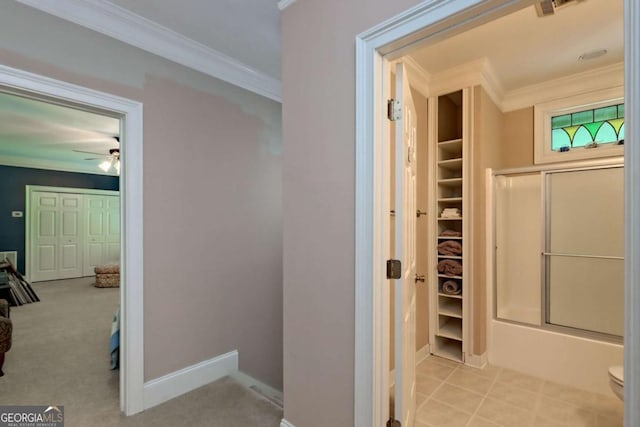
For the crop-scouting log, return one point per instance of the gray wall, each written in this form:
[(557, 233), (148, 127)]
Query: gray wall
[(318, 72), (212, 193)]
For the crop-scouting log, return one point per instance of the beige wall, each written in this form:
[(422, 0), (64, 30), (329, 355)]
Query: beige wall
[(212, 194), (517, 147), (318, 40), (487, 141)]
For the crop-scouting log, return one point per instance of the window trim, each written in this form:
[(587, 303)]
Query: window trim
[(543, 113)]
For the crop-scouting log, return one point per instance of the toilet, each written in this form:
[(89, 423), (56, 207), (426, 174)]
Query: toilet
[(616, 381)]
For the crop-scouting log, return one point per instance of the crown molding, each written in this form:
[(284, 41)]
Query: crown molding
[(563, 87), (419, 78), (121, 24), (283, 4)]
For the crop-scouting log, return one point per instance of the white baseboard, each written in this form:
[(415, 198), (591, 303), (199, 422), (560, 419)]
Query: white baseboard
[(274, 395), (423, 353), (477, 361), (190, 378), (285, 423)]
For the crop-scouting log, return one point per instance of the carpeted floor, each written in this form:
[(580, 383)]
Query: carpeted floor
[(60, 356)]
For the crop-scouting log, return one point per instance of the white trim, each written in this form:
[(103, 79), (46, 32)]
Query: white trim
[(190, 378), (274, 395), (132, 269), (285, 423), (476, 360), (423, 353), (419, 78), (121, 24), (587, 81), (55, 165), (283, 4), (423, 21), (632, 214)]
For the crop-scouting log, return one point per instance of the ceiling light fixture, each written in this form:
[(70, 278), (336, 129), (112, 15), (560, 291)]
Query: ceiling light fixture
[(592, 54)]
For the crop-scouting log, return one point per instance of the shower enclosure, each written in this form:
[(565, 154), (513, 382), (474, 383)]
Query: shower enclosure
[(559, 249)]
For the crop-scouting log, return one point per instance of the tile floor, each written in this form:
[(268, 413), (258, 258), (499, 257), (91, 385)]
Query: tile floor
[(450, 394)]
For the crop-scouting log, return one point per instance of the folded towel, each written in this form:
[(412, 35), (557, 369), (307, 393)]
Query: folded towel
[(451, 287), (451, 212), (450, 267), (449, 247), (451, 233)]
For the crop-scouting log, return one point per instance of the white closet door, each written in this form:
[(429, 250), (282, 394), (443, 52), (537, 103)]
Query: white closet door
[(70, 237), (95, 235), (112, 229), (44, 236)]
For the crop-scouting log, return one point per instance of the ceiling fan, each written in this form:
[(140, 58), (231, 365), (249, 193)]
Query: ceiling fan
[(111, 160)]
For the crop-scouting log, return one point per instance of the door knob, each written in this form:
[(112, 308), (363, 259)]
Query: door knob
[(419, 278)]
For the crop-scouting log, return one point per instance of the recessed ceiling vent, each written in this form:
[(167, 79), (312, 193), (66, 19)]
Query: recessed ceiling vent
[(548, 7)]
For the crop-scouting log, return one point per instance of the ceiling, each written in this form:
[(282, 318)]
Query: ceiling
[(246, 30), (524, 49), (44, 135)]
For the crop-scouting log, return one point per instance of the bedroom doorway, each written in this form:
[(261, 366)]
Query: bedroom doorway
[(129, 116)]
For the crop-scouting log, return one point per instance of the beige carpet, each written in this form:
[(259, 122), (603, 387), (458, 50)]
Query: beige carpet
[(60, 356)]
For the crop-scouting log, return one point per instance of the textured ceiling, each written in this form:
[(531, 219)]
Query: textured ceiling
[(246, 30), (525, 49)]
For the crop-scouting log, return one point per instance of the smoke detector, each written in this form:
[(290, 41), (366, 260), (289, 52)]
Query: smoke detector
[(548, 7)]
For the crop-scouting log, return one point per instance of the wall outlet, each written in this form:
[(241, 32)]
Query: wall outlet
[(16, 214)]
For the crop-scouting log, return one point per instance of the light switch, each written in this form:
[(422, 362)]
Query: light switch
[(16, 214)]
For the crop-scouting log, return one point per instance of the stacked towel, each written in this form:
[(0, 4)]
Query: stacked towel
[(450, 247), (450, 267), (451, 287), (450, 233), (451, 213)]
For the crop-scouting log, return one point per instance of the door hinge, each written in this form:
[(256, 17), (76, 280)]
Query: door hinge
[(394, 269), (394, 110), (393, 423)]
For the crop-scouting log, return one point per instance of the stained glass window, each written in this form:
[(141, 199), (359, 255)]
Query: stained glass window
[(602, 125)]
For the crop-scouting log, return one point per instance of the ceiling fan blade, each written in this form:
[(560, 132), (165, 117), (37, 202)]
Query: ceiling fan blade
[(88, 152)]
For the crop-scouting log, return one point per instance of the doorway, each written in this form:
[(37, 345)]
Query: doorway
[(395, 39), (131, 184)]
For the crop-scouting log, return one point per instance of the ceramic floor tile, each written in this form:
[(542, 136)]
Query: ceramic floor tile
[(443, 361), (603, 421), (521, 398), (434, 369), (420, 399), (567, 413), (477, 421), (608, 406), (504, 414), (567, 394), (517, 379), (470, 381), (543, 422), (426, 385), (488, 371), (438, 414), (464, 400)]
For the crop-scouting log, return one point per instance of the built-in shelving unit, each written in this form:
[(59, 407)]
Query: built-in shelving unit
[(450, 157)]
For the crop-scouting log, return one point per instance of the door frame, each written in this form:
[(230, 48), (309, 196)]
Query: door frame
[(433, 20), (27, 214), (131, 213)]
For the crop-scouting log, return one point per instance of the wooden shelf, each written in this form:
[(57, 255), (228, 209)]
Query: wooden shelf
[(451, 331), (450, 219), (444, 276), (449, 349), (450, 256), (451, 308), (451, 164), (440, 294), (450, 199), (450, 237), (450, 182), (453, 146)]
